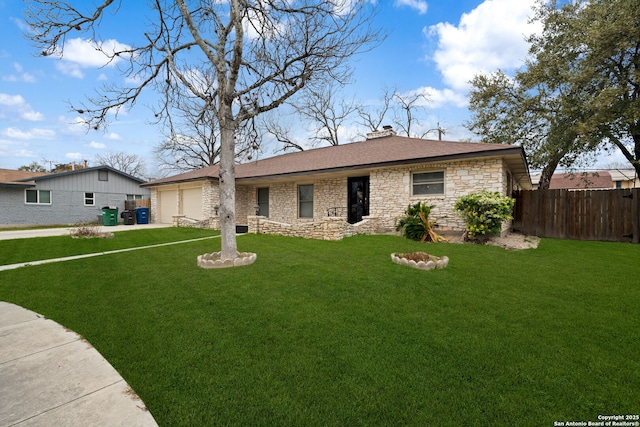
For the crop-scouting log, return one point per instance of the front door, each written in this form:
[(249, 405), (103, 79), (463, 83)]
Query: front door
[(358, 202)]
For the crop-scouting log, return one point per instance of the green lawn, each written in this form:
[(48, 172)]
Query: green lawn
[(335, 334)]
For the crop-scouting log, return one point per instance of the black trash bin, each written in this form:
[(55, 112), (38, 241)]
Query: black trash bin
[(128, 217), (142, 215)]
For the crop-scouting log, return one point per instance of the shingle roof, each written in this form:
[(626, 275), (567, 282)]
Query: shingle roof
[(9, 177), (387, 151), (16, 178), (581, 180), (91, 169)]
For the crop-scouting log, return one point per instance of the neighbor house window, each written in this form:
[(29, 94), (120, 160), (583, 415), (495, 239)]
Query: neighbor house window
[(89, 199), (103, 175), (38, 197), (134, 196), (426, 183), (263, 201), (305, 201)]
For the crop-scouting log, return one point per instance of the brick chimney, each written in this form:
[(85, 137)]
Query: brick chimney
[(386, 131)]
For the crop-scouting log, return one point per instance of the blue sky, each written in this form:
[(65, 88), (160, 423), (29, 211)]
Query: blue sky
[(433, 47)]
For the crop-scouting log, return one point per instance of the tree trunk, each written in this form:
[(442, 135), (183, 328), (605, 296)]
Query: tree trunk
[(547, 173), (636, 150), (227, 188)]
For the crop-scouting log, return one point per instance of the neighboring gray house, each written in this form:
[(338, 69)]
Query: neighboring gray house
[(64, 198)]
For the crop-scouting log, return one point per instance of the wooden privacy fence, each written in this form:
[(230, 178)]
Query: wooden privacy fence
[(612, 215), (137, 203)]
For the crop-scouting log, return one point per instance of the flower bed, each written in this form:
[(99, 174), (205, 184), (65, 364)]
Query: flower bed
[(420, 260), (213, 260)]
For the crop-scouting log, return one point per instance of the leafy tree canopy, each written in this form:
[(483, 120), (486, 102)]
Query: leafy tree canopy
[(578, 92)]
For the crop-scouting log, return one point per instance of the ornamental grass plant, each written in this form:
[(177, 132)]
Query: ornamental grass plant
[(416, 225)]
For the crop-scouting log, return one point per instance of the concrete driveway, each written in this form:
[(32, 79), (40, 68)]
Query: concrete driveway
[(44, 232)]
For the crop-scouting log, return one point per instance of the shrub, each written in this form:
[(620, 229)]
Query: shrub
[(415, 225), (89, 230), (484, 212)]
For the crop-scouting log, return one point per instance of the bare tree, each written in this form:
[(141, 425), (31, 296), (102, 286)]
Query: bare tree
[(131, 164), (326, 111), (406, 107), (322, 109), (260, 53), (439, 129), (373, 117), (281, 133), (192, 131)]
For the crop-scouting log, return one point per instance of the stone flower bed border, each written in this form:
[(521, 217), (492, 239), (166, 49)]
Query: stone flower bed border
[(213, 260), (425, 261)]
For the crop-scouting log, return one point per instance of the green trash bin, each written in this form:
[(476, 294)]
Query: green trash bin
[(110, 215)]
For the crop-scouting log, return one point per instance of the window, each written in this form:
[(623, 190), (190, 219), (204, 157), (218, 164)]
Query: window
[(38, 197), (134, 196), (263, 201), (89, 199), (305, 201), (428, 183), (103, 175)]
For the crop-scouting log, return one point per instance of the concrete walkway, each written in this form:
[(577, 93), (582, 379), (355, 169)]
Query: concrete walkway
[(50, 376)]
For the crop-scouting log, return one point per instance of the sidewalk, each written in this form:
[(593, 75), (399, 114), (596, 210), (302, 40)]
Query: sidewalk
[(50, 376), (45, 232)]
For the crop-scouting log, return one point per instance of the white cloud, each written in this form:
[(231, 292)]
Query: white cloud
[(70, 69), (73, 156), (16, 105), (86, 53), (24, 153), (30, 134), (21, 75), (419, 5), (11, 100), (114, 136), (97, 145), (489, 37), (438, 98), (133, 80), (74, 126), (21, 25), (32, 116)]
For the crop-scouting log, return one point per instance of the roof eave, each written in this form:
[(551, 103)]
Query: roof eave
[(178, 181), (17, 184)]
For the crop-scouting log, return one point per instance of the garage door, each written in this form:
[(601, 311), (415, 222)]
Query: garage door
[(192, 203), (167, 206)]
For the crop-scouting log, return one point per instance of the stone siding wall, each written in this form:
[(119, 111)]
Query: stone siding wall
[(245, 200), (283, 199), (327, 228), (390, 194), (210, 198), (391, 189), (153, 210)]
